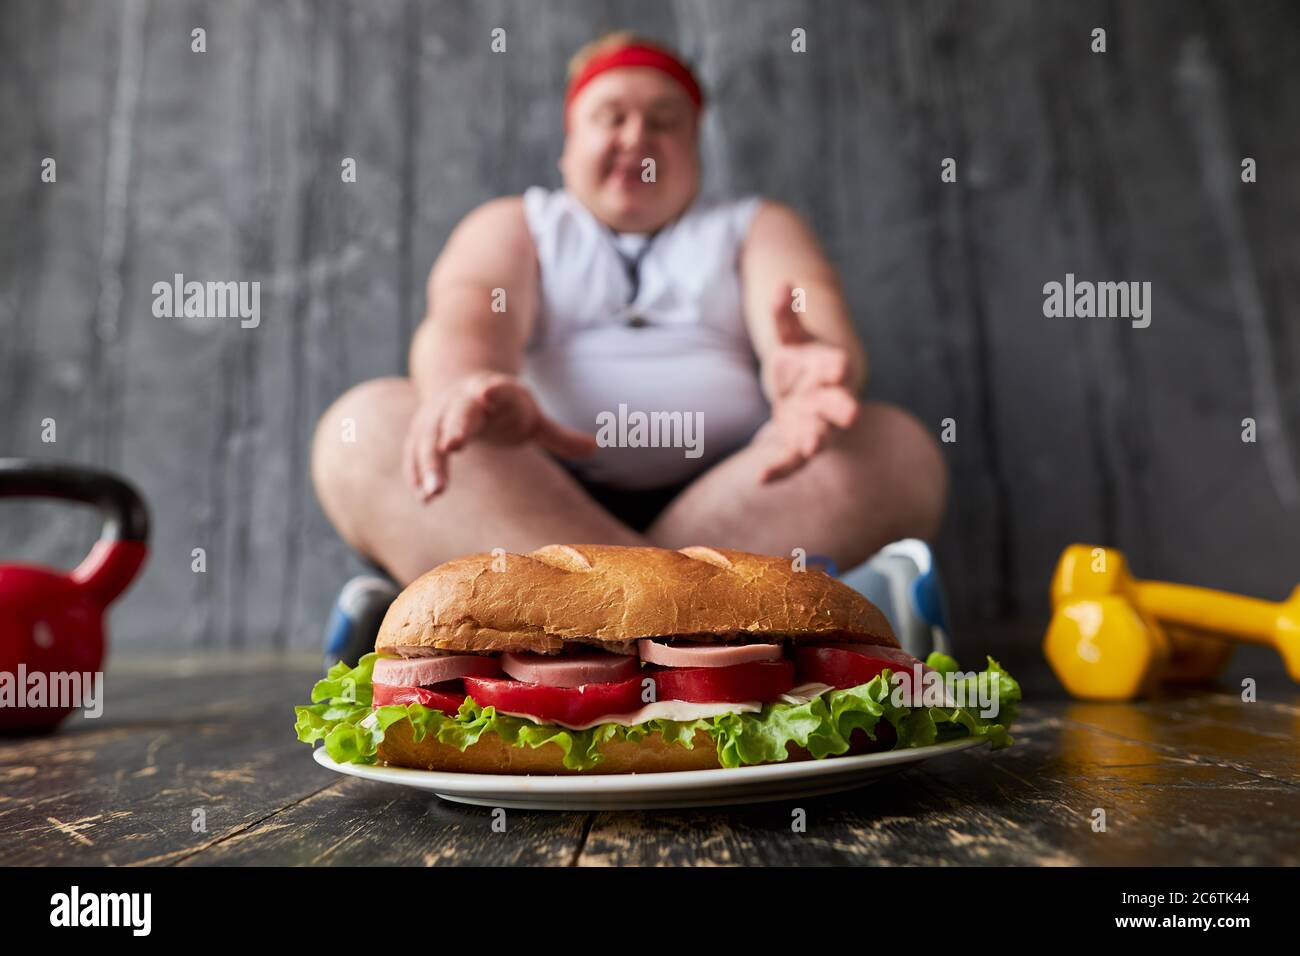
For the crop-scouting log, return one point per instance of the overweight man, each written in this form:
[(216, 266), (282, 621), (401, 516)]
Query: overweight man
[(627, 296)]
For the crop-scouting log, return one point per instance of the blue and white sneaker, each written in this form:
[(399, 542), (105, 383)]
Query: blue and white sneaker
[(354, 622), (901, 579)]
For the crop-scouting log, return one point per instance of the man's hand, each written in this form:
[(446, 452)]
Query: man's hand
[(806, 383), (488, 406)]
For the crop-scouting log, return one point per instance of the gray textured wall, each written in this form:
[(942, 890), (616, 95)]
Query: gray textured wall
[(225, 165)]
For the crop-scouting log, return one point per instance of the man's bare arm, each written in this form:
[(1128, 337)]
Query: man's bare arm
[(464, 345), (780, 250), (490, 250)]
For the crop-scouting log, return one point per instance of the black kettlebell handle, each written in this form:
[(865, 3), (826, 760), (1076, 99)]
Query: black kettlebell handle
[(125, 516)]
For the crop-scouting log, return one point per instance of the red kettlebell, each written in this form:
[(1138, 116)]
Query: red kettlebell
[(52, 621)]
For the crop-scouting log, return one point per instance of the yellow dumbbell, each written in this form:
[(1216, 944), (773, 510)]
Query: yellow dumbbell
[(1113, 637)]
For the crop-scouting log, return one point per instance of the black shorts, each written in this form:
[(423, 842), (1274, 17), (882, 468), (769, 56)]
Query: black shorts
[(637, 508)]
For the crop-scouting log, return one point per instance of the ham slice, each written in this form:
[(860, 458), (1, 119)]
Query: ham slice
[(570, 670), (426, 671), (706, 655)]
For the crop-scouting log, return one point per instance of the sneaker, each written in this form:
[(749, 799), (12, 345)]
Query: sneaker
[(901, 579), (354, 622)]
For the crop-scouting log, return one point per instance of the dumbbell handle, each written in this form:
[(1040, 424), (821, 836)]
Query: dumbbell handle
[(1249, 619)]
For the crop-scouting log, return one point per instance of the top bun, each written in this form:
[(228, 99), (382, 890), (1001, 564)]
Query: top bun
[(610, 596)]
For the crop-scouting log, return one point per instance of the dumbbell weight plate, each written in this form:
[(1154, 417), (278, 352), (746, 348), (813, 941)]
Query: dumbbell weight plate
[(1104, 649), (1199, 657)]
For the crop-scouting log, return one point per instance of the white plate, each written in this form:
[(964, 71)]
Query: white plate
[(653, 791)]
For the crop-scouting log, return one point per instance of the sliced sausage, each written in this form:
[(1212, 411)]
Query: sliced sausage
[(426, 671), (570, 670), (691, 654)]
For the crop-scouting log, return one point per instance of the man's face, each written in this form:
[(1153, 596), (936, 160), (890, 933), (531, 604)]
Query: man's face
[(621, 119)]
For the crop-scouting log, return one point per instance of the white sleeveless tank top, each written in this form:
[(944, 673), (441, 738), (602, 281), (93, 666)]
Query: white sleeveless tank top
[(680, 345)]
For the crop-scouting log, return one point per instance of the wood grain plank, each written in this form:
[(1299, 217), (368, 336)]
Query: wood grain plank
[(1068, 161), (361, 823), (123, 789), (1255, 738), (60, 63), (1030, 805), (1201, 780)]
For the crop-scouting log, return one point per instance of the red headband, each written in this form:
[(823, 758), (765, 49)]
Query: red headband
[(636, 55)]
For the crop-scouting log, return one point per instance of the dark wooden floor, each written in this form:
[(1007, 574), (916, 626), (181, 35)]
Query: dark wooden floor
[(1197, 779), (226, 166)]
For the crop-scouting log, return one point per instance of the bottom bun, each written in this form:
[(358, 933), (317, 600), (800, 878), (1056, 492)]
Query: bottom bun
[(651, 754)]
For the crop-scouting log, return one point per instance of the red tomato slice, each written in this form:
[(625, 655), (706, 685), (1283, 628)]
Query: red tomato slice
[(446, 697), (842, 668), (757, 680), (567, 705)]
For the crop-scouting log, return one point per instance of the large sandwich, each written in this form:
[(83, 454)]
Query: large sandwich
[(602, 659)]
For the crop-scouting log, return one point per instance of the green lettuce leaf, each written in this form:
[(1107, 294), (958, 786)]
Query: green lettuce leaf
[(341, 702)]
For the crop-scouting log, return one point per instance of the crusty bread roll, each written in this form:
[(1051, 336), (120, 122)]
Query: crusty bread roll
[(651, 754), (610, 596), (493, 755)]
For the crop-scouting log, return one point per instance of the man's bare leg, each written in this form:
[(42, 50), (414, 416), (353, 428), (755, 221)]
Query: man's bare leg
[(513, 498), (878, 481)]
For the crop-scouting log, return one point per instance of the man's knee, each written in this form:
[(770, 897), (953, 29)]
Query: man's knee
[(901, 453), (360, 434)]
